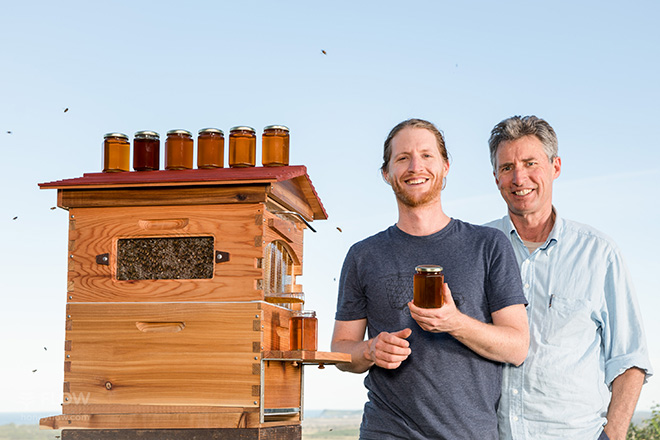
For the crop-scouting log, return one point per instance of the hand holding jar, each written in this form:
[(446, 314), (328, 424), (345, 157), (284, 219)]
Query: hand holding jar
[(445, 319)]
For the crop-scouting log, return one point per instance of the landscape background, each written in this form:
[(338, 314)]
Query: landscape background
[(340, 75)]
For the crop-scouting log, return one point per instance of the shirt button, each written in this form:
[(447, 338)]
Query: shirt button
[(515, 418), (526, 285), (514, 391)]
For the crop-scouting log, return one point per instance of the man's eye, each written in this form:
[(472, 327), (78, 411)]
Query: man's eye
[(531, 163)]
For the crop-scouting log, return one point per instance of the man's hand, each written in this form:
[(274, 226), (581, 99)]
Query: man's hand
[(441, 320), (388, 350)]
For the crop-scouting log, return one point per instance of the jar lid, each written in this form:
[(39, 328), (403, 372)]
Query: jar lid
[(242, 128), (115, 135), (276, 127), (146, 134), (428, 268), (179, 131), (211, 130), (304, 313)]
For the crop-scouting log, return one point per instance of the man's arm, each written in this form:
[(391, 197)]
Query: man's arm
[(505, 340), (386, 350), (626, 388)]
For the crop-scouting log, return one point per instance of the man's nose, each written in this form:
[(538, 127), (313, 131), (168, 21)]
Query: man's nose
[(415, 164), (519, 176)]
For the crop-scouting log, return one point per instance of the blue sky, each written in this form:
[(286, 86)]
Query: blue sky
[(589, 68)]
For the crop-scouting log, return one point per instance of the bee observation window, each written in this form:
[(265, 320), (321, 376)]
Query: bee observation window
[(163, 258)]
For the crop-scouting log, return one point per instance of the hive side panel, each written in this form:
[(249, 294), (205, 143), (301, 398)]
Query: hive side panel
[(94, 233), (163, 354)]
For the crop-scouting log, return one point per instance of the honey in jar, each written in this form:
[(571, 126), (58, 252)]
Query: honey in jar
[(242, 146), (146, 151), (428, 286), (303, 330), (210, 148), (275, 146), (116, 153), (179, 150)]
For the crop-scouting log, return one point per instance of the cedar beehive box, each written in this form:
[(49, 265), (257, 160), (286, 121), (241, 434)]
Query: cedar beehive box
[(168, 319)]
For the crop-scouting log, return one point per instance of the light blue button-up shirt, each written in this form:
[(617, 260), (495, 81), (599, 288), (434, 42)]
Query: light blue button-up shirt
[(585, 329)]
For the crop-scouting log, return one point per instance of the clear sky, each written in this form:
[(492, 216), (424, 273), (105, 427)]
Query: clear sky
[(590, 68)]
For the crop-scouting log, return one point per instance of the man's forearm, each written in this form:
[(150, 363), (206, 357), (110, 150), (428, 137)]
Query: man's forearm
[(499, 343), (356, 349), (625, 393)]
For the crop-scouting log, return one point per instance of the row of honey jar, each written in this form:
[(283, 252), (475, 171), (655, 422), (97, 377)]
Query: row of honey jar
[(179, 149)]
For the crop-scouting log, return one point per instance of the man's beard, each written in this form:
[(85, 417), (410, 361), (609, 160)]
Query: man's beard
[(414, 201)]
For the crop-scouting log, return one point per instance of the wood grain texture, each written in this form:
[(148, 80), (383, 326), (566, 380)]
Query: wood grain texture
[(209, 362), (155, 196), (95, 231)]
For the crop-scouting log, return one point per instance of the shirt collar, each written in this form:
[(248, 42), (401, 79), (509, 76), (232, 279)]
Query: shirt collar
[(553, 237)]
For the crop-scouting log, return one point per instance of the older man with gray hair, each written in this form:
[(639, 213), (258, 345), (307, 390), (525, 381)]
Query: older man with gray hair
[(587, 358)]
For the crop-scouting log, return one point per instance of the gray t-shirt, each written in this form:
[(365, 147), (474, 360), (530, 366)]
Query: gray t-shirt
[(443, 390)]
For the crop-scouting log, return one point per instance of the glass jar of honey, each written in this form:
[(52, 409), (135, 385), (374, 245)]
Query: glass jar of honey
[(116, 153), (179, 150), (210, 148), (275, 146), (146, 151), (242, 146), (428, 283), (303, 330)]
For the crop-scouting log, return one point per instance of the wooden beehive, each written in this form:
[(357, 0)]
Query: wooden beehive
[(167, 323)]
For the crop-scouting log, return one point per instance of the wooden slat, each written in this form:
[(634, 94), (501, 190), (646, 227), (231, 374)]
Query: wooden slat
[(310, 357), (152, 421), (158, 196)]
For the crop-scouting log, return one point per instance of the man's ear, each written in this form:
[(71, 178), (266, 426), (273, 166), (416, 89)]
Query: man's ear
[(386, 177)]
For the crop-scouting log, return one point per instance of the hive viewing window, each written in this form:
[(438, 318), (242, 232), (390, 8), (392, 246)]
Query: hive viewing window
[(278, 270), (166, 258)]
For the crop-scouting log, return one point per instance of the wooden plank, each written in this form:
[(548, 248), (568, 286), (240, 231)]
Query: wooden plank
[(156, 409), (209, 362), (309, 357), (95, 231), (292, 432), (282, 385), (158, 196), (152, 421)]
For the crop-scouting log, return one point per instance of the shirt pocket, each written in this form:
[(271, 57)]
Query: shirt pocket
[(566, 321)]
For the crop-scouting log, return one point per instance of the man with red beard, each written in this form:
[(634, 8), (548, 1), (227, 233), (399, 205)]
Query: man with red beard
[(433, 373), (587, 356)]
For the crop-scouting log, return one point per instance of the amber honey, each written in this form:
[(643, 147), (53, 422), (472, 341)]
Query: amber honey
[(179, 150), (428, 283), (210, 148), (146, 151), (242, 147), (275, 146), (303, 330), (116, 153)]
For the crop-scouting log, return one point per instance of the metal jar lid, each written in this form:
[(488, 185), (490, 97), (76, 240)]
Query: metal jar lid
[(428, 268), (146, 134), (179, 131), (115, 135), (276, 127), (211, 131), (242, 128)]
